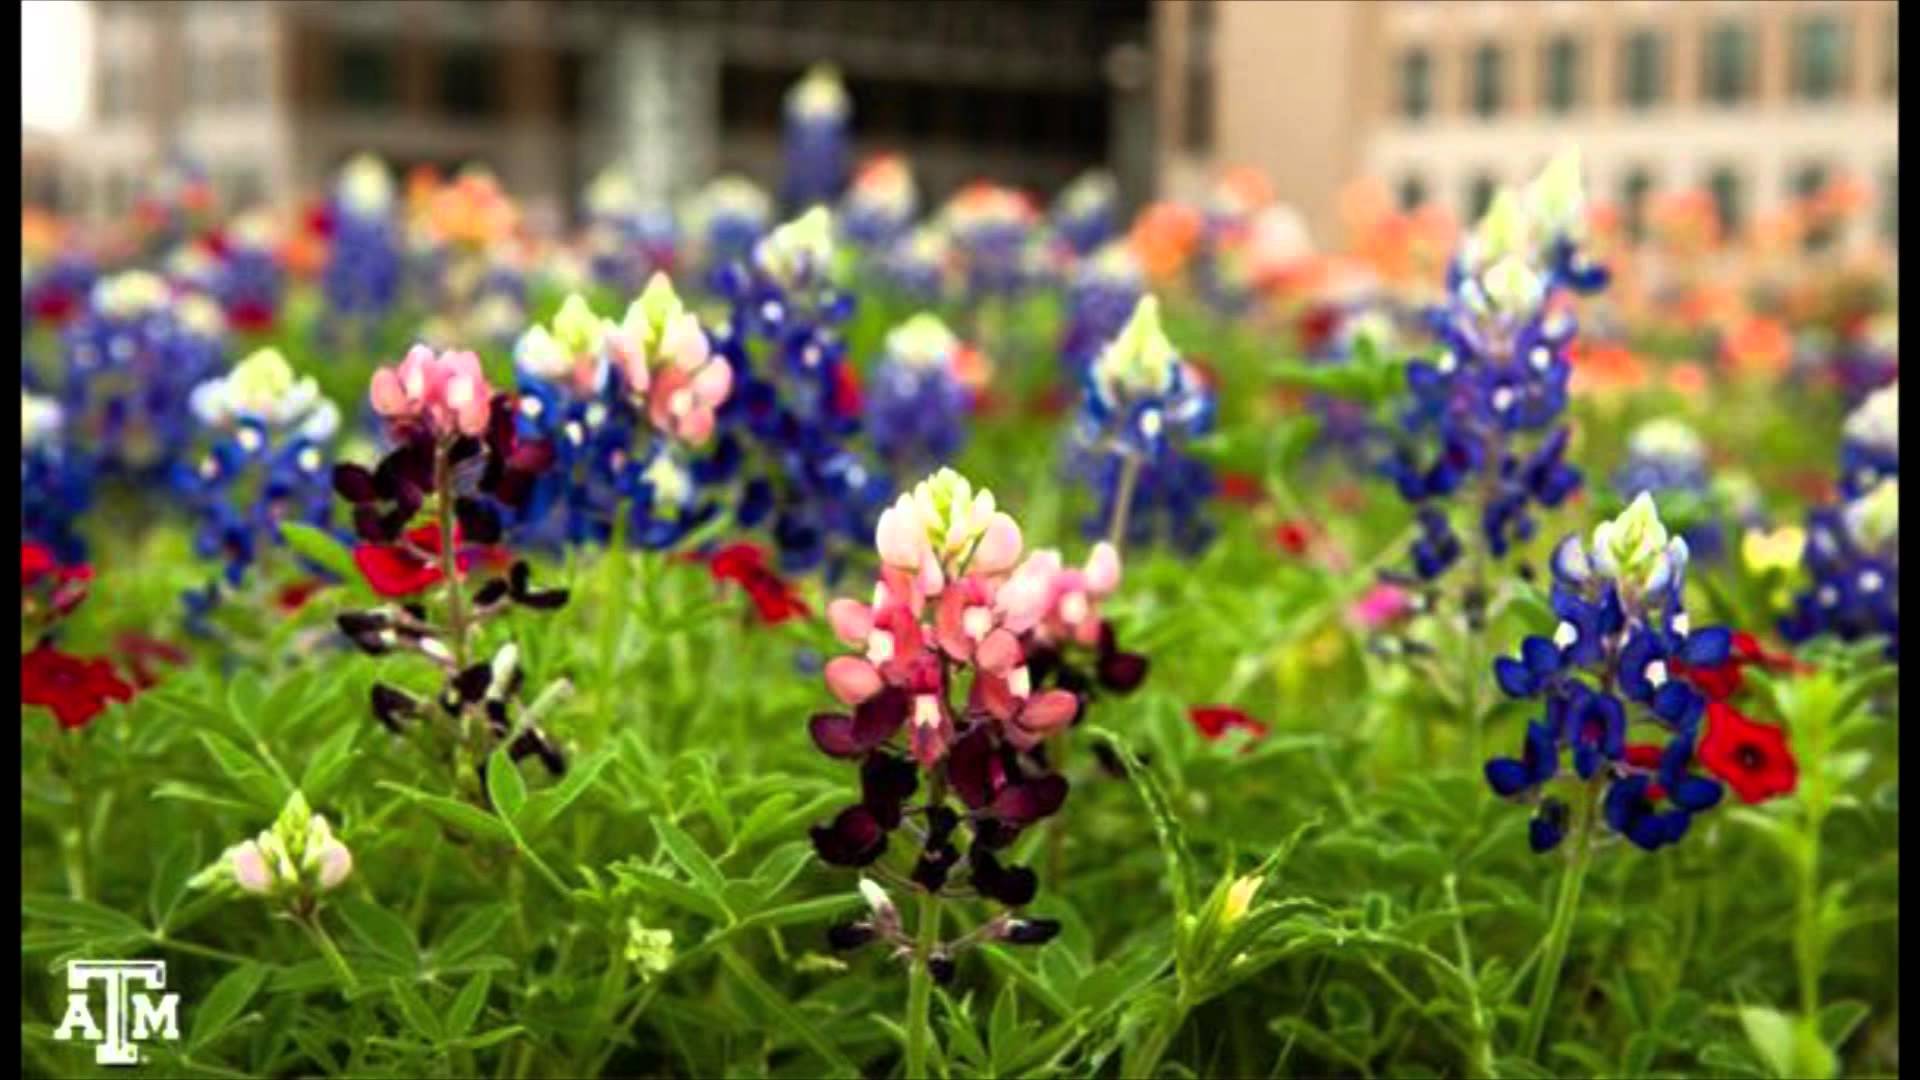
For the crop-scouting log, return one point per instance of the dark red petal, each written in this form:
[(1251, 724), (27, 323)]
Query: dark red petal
[(1122, 671), (855, 838), (1031, 800), (833, 734)]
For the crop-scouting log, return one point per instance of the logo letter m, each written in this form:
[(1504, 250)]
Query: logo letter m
[(152, 1020)]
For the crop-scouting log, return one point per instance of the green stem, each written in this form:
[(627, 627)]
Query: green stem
[(1123, 502), (920, 988), (1808, 948), (73, 839), (324, 942), (1560, 931), (1159, 1037), (449, 556)]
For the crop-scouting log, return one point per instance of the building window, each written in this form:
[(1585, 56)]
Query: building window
[(1633, 201), (1644, 74), (1413, 192), (469, 80), (1197, 125), (1728, 69), (1561, 90), (1416, 83), (114, 100), (363, 75), (1819, 57), (240, 81), (1808, 182), (1890, 208), (1479, 196), (1725, 186), (1486, 80), (200, 85)]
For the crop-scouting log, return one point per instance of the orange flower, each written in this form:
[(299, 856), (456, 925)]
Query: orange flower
[(1687, 379), (1605, 367), (1758, 346), (1163, 238)]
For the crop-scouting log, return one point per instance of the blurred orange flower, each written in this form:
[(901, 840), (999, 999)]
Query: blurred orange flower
[(1605, 367), (1758, 346), (1163, 238)]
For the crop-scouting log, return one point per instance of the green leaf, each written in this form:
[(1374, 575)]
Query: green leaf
[(545, 807), (415, 1010), (1003, 1030), (1172, 836), (1839, 1019), (215, 1013), (488, 1038), (380, 930), (463, 816), (322, 548), (244, 770), (805, 1030), (475, 930), (505, 786), (1770, 1032), (329, 762), (79, 914), (468, 1005), (690, 857)]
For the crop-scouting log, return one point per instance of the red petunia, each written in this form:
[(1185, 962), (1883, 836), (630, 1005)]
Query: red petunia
[(1722, 682), (1214, 721), (746, 565), (36, 562), (847, 398), (1752, 758), (292, 598), (75, 690), (401, 570), (1646, 756)]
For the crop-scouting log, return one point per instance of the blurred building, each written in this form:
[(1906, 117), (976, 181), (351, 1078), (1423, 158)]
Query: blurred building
[(1444, 99), (272, 95)]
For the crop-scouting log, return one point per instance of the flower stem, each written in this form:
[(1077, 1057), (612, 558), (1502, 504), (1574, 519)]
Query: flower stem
[(1159, 1037), (1123, 501), (920, 988), (449, 556), (324, 942), (1560, 931)]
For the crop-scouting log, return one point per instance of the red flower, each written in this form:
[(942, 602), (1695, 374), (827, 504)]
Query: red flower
[(1242, 488), (1752, 758), (1317, 326), (75, 689), (293, 597), (1054, 401), (140, 651), (404, 569), (1294, 537), (1214, 721), (746, 565), (1646, 757), (250, 316), (847, 400), (61, 588), (1721, 683)]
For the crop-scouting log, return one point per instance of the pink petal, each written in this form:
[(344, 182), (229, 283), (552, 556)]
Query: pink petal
[(713, 383), (1103, 569), (899, 538), (999, 652), (999, 549), (852, 679), (851, 620), (389, 398)]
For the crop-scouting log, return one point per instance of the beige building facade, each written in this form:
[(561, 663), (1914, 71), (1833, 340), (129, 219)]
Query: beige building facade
[(1442, 100)]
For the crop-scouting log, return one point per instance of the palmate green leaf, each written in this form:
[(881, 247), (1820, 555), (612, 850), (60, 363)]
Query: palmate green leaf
[(81, 915), (215, 1013), (545, 807), (244, 771), (477, 929), (415, 1011), (790, 1018), (329, 762), (468, 1005)]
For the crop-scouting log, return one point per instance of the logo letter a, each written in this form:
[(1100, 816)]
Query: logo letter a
[(77, 1015)]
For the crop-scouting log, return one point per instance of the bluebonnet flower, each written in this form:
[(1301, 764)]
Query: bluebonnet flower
[(1487, 413), (249, 281), (725, 219), (131, 360), (56, 482), (1087, 213), (626, 242), (1141, 405), (361, 282), (1870, 443), (1101, 296), (795, 405), (623, 405), (916, 404), (268, 460), (920, 266), (1665, 457), (1853, 558), (1615, 659), (991, 228), (817, 140), (879, 207)]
